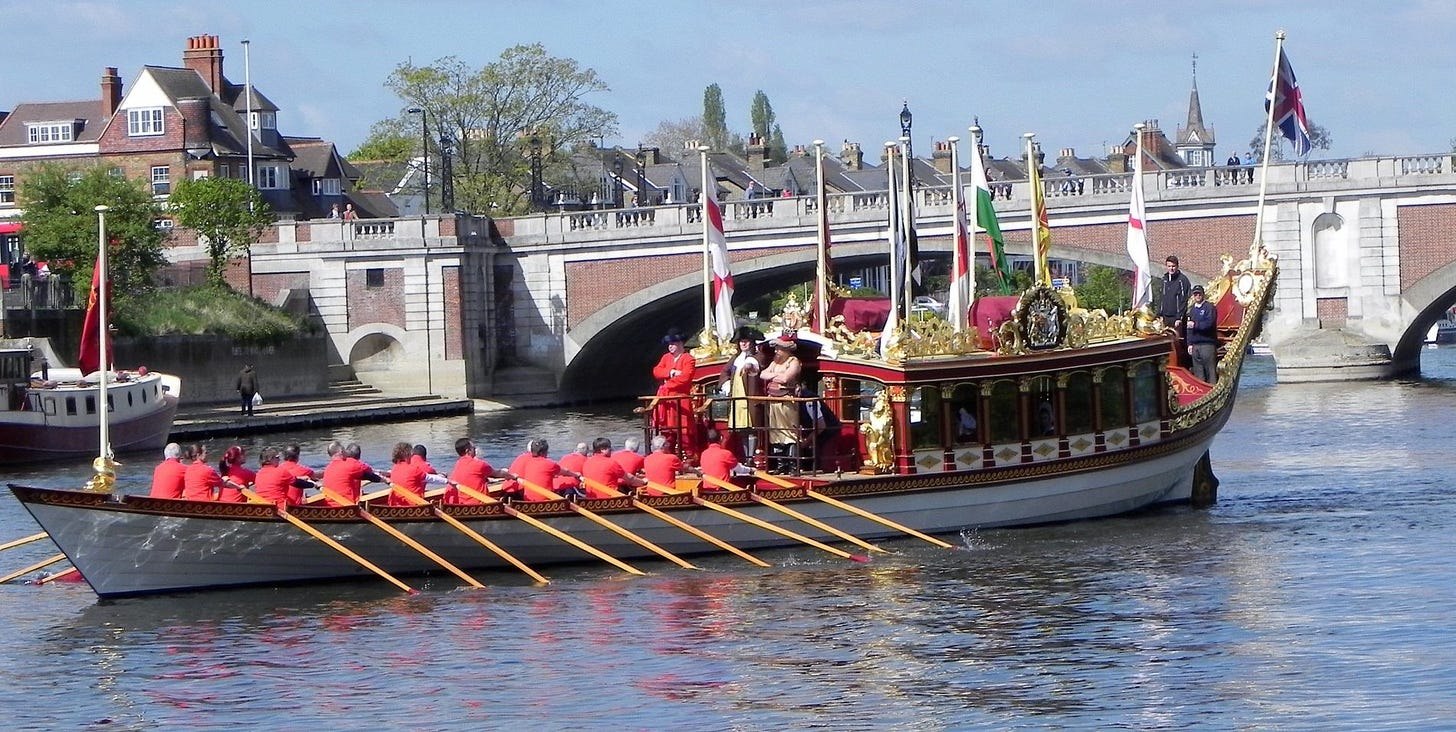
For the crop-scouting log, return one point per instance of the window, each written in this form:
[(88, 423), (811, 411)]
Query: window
[(268, 120), (271, 176), (373, 278), (222, 170), (7, 189), (142, 122), (326, 186), (161, 180), (44, 132)]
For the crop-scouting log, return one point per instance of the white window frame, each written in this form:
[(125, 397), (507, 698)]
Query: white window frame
[(265, 120), (162, 176), (327, 187), (145, 122), (41, 133), (7, 189), (271, 177)]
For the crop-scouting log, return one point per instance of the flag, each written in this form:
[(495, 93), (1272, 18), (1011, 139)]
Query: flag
[(1137, 237), (897, 258), (962, 271), (825, 269), (914, 279), (1041, 233), (723, 321), (89, 357), (1288, 112), (986, 220)]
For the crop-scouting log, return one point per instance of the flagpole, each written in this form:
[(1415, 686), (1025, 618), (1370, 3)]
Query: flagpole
[(821, 275), (962, 284), (707, 246), (893, 205), (1137, 235), (907, 224), (105, 360), (1038, 214), (1273, 94)]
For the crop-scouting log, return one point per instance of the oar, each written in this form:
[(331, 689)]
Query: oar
[(38, 565), (480, 539), (622, 531), (332, 543), (559, 534), (760, 523), (24, 541), (791, 513), (63, 574), (404, 539), (695, 531), (857, 511)]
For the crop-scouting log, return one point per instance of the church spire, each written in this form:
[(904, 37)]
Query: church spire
[(1195, 140)]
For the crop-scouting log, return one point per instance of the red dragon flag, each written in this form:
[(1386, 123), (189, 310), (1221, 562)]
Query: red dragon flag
[(89, 358)]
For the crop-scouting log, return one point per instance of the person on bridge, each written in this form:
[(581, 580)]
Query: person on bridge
[(1203, 337), (170, 477), (1173, 305), (673, 414)]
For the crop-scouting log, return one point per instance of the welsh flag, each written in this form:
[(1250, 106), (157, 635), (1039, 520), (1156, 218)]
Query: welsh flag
[(986, 221)]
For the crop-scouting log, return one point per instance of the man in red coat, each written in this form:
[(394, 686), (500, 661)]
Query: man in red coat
[(673, 415), (170, 477)]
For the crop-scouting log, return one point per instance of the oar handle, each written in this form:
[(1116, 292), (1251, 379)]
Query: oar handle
[(544, 492), (603, 487)]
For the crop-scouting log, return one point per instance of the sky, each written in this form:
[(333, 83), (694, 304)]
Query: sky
[(1078, 74)]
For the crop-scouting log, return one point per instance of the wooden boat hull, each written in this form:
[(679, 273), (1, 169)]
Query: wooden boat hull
[(138, 545)]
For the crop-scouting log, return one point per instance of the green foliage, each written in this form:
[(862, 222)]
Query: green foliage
[(197, 310), (490, 112), (229, 213), (1106, 288), (765, 125), (62, 227), (988, 285), (715, 119), (386, 142), (1319, 139)]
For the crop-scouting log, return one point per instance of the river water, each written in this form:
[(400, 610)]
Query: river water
[(1317, 593)]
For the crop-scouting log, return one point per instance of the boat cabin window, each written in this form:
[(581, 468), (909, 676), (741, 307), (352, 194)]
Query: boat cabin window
[(1077, 403), (110, 403), (965, 414), (1144, 392), (129, 401), (71, 406), (1043, 407), (144, 396), (1003, 413), (50, 406), (1114, 398), (90, 405), (925, 409)]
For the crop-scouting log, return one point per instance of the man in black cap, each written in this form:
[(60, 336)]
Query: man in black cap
[(1203, 337), (739, 382), (673, 415)]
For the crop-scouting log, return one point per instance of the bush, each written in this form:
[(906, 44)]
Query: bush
[(198, 310)]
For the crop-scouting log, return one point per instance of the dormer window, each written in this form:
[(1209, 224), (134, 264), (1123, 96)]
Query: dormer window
[(144, 122), (267, 120), (326, 186), (39, 133)]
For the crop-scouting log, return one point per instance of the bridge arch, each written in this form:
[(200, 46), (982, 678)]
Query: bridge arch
[(375, 347), (1429, 297)]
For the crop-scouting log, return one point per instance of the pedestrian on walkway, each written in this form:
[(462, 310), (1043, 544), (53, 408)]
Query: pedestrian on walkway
[(247, 388)]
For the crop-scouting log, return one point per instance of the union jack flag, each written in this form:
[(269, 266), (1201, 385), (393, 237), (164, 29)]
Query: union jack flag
[(1288, 107)]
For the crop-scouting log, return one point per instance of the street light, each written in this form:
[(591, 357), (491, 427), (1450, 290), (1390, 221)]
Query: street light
[(641, 177), (905, 119), (534, 141), (617, 169), (424, 151), (447, 177)]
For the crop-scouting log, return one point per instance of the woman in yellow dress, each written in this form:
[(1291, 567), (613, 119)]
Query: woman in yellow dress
[(781, 379)]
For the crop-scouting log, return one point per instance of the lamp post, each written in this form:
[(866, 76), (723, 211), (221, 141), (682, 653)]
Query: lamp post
[(424, 152), (447, 176), (534, 141), (905, 119), (248, 107), (617, 170)]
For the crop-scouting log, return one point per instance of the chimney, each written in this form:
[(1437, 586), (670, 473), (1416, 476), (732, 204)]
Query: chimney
[(1067, 155), (757, 153), (651, 156), (799, 151), (1117, 159), (940, 157), (110, 91), (194, 123), (204, 56), (851, 156)]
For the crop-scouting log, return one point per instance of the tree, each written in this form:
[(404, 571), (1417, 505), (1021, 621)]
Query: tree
[(385, 142), (672, 136), (489, 113), (1319, 139), (1107, 288), (715, 119), (62, 228), (227, 212)]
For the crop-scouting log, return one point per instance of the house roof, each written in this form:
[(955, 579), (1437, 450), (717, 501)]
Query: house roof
[(88, 112), (316, 157)]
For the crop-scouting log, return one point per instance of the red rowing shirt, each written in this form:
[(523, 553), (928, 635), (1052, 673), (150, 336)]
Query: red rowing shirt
[(717, 462), (273, 483), (472, 472), (603, 470), (200, 481), (662, 468), (344, 476), (409, 476), (169, 480), (629, 460)]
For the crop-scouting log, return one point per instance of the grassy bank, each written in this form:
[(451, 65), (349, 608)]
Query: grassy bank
[(197, 310)]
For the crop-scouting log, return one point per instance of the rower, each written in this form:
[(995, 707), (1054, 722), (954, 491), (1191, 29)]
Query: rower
[(602, 470), (276, 483), (170, 477), (346, 473), (201, 482), (662, 465), (410, 474), (471, 472)]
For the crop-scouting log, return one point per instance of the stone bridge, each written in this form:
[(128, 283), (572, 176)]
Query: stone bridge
[(551, 303)]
